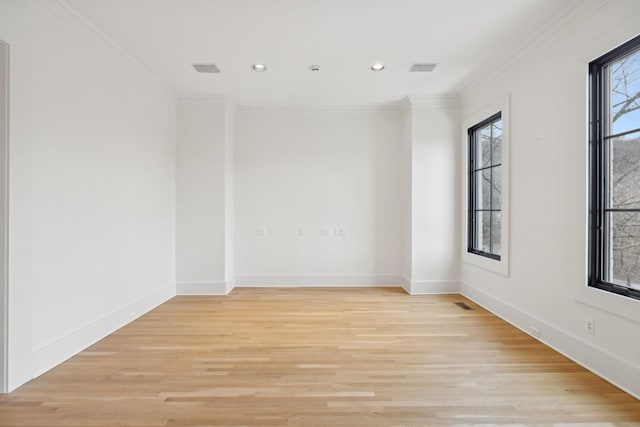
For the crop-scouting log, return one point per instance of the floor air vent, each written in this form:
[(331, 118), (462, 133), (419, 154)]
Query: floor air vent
[(463, 306)]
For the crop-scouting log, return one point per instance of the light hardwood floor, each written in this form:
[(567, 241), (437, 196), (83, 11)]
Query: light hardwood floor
[(318, 357)]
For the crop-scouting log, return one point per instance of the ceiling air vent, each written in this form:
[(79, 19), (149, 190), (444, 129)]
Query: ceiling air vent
[(422, 68), (206, 68)]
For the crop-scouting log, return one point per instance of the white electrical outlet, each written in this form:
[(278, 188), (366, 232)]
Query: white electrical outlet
[(590, 326), (535, 331)]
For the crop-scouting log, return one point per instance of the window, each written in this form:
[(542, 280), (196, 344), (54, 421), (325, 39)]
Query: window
[(614, 163), (485, 140), (485, 188)]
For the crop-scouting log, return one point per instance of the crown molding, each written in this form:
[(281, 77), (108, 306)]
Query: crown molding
[(436, 101), (221, 100), (231, 105), (572, 12), (390, 108), (115, 46)]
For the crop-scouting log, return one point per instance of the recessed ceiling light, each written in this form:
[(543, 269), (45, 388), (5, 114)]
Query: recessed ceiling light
[(377, 67), (314, 68), (259, 67), (206, 68)]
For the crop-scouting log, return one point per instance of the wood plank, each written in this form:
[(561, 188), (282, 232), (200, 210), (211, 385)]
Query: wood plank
[(318, 357)]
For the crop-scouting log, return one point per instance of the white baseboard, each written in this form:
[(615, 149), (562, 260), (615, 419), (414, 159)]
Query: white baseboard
[(406, 284), (229, 284), (616, 371), (204, 288), (429, 287), (62, 349), (317, 280)]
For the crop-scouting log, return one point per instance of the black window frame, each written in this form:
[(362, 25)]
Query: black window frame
[(598, 166), (472, 245)]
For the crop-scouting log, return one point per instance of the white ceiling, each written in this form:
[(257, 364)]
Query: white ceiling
[(465, 37)]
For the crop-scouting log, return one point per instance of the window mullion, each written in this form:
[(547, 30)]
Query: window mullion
[(490, 187)]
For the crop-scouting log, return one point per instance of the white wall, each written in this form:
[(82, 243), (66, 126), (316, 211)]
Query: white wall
[(204, 209), (434, 195), (546, 286), (299, 172), (91, 194)]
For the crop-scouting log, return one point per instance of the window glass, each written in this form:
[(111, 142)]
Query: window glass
[(485, 187), (614, 239), (624, 91)]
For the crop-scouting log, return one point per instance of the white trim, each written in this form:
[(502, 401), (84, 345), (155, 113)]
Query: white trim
[(406, 284), (441, 101), (231, 104), (317, 280), (54, 353), (502, 266), (220, 287), (608, 38), (229, 284), (618, 372), (221, 100), (388, 108), (618, 305), (432, 287), (573, 11), (4, 278), (115, 46)]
